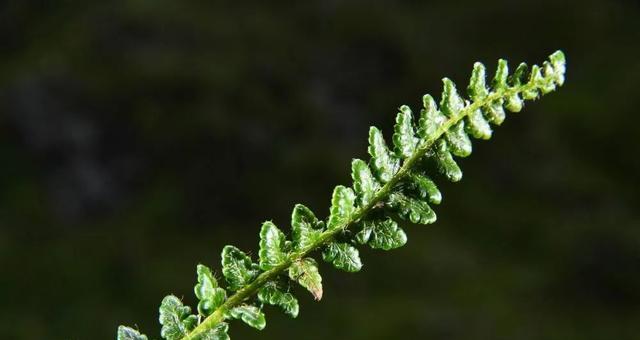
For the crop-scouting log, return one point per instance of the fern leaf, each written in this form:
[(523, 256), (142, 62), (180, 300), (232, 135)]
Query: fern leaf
[(251, 315), (274, 293), (382, 234), (175, 318), (364, 184), (426, 188), (342, 206), (458, 140), (385, 165), (446, 164), (272, 244), (305, 227), (392, 185), (207, 291), (237, 267), (404, 139), (343, 256), (430, 118), (127, 333), (305, 272), (411, 209), (218, 332)]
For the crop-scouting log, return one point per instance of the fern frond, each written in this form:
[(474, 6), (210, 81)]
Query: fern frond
[(393, 184)]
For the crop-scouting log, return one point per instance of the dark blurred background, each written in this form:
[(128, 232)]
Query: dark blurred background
[(139, 137)]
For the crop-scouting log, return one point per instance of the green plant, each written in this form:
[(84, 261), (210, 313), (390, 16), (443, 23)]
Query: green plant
[(393, 185)]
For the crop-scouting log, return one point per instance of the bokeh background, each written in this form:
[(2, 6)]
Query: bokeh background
[(139, 137)]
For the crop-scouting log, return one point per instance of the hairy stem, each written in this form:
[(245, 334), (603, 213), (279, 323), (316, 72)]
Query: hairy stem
[(327, 236)]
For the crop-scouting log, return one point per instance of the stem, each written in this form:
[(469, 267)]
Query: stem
[(327, 236)]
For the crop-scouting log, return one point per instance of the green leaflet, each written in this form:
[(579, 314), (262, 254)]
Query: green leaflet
[(237, 267), (404, 139), (272, 244), (519, 76), (458, 140), (273, 293), (494, 112), (558, 62), (381, 234), (412, 209), (477, 88), (364, 184), (512, 102), (384, 164), (535, 80), (430, 118), (127, 333), (382, 190), (207, 291), (342, 256), (549, 83), (499, 81), (446, 165), (305, 272), (477, 126), (451, 106), (342, 206), (219, 332), (451, 103), (305, 227), (251, 315), (426, 188), (176, 319)]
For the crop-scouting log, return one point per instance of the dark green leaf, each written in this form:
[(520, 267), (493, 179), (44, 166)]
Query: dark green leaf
[(251, 315), (451, 103), (237, 267), (404, 138), (535, 81), (364, 235), (427, 188), (176, 319), (477, 88), (272, 244), (381, 234), (514, 103), (446, 165), (274, 294), (127, 333), (519, 76), (364, 184), (558, 62), (494, 112), (207, 291), (342, 206), (384, 164), (549, 78), (305, 227), (499, 81), (305, 272), (430, 118), (412, 209), (342, 256), (477, 126), (386, 235), (458, 140), (219, 332)]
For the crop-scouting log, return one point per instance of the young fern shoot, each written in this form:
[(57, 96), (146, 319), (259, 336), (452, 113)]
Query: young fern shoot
[(393, 185)]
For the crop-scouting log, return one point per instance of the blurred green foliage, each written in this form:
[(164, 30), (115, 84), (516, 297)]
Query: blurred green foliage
[(124, 124)]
